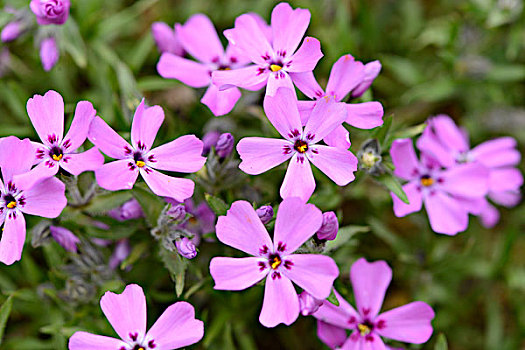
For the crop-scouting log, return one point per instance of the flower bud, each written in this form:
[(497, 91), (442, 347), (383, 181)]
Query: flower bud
[(127, 211), (329, 228), (186, 248), (224, 145), (308, 304), (265, 213), (11, 31), (65, 238), (209, 140), (372, 70), (121, 252), (177, 212), (50, 11), (166, 39), (49, 53)]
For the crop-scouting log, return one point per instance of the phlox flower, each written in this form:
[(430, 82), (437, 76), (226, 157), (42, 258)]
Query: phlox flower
[(181, 155), (274, 59), (440, 189), (408, 323), (166, 39), (449, 145), (126, 312), (19, 195), (299, 145), (274, 261), (50, 11), (347, 75), (199, 38), (56, 150)]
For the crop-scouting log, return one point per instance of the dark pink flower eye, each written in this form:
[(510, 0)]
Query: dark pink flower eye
[(300, 146), (427, 180)]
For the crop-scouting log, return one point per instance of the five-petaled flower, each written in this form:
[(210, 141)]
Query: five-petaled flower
[(181, 155), (442, 190), (408, 323), (175, 328), (47, 115), (20, 195), (273, 59), (50, 11), (296, 222), (300, 145)]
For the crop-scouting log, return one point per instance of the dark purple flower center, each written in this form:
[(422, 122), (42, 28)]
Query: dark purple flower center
[(10, 201), (224, 67), (274, 260), (139, 160), (56, 153), (365, 328), (300, 146), (276, 66), (427, 180)]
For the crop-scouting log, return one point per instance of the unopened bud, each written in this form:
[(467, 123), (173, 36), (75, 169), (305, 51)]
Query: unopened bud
[(177, 212), (224, 145), (186, 248), (329, 228), (308, 304), (127, 211), (265, 213), (65, 238), (49, 53), (11, 31)]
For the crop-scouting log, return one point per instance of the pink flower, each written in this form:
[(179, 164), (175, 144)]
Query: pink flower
[(65, 238), (409, 323), (56, 151), (439, 189), (49, 53), (273, 60), (274, 261), (346, 76), (50, 11), (449, 145), (181, 155), (199, 38), (128, 211), (166, 39), (40, 196), (300, 145), (126, 312)]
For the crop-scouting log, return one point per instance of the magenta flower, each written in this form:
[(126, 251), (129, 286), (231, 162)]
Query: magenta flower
[(56, 151), (181, 155), (126, 312), (296, 222), (439, 189), (199, 38), (408, 323), (273, 60), (40, 196), (49, 53), (346, 76), (449, 145), (50, 11), (300, 145), (166, 39)]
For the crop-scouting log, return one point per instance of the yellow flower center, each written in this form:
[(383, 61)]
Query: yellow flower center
[(275, 67), (427, 181), (363, 329), (140, 163), (275, 261), (301, 146), (57, 157), (11, 205)]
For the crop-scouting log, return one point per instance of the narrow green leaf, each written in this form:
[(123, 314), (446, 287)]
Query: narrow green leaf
[(5, 310), (216, 204), (382, 132), (151, 204), (332, 298), (393, 184), (344, 235), (441, 342), (136, 253), (176, 266)]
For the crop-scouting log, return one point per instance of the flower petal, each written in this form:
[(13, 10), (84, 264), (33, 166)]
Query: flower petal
[(77, 163), (47, 116), (296, 222), (13, 238), (249, 78), (337, 163), (162, 185), (118, 175), (343, 316), (236, 273), (307, 83), (449, 133), (88, 341), (242, 229), (497, 153), (370, 282), (107, 140), (446, 215), (305, 110), (176, 328), (260, 154), (366, 115), (220, 102), (181, 155), (146, 124), (325, 117), (314, 273), (505, 179), (404, 158), (42, 171), (370, 342), (408, 323), (372, 70), (199, 38), (280, 304), (126, 312), (430, 144), (299, 179), (47, 198), (281, 110), (77, 134), (415, 198), (489, 216), (333, 336), (345, 75), (279, 81), (467, 180), (340, 138), (288, 26), (306, 58), (16, 157), (189, 72)]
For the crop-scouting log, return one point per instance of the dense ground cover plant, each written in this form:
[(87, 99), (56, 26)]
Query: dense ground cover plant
[(385, 138)]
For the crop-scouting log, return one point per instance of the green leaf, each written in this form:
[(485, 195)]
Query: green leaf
[(74, 44), (344, 235), (216, 204), (103, 203), (393, 184), (136, 253), (411, 132), (382, 132), (176, 266), (332, 298), (151, 204), (5, 310), (441, 343)]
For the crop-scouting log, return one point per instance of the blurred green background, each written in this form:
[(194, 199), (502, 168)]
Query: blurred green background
[(465, 58)]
